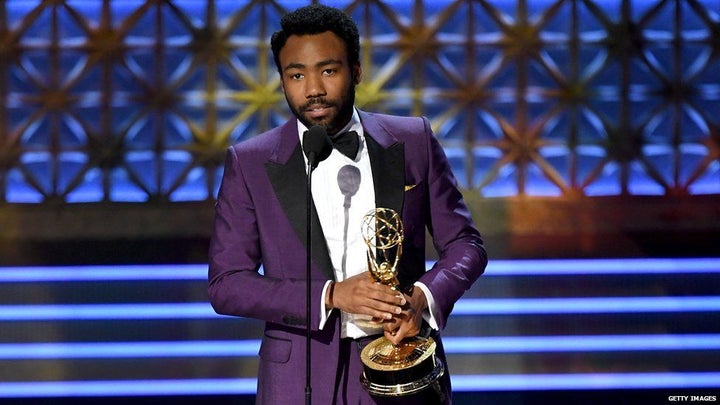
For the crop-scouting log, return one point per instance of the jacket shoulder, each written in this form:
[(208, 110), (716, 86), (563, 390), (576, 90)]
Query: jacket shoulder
[(258, 142), (399, 122)]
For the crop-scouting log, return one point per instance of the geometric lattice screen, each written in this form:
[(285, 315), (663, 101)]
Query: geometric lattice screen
[(136, 100)]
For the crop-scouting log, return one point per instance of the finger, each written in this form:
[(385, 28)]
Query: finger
[(390, 325), (395, 336), (390, 333), (385, 292), (379, 314), (384, 307)]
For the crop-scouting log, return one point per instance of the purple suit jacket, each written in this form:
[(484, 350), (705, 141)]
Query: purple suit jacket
[(261, 219)]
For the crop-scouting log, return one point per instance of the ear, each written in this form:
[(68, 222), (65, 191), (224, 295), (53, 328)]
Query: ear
[(357, 73)]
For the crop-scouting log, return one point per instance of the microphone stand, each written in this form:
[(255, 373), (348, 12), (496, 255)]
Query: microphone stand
[(317, 147), (308, 384)]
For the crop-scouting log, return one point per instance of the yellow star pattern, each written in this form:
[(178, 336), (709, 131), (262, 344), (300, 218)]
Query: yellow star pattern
[(113, 100)]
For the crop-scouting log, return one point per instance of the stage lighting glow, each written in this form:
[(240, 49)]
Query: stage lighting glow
[(574, 343), (46, 389), (525, 306), (495, 268), (453, 345), (461, 383), (200, 310), (589, 381), (103, 273), (105, 350), (469, 306)]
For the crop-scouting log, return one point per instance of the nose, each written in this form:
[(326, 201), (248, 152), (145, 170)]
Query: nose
[(314, 86)]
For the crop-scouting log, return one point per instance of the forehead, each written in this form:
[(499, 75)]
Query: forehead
[(308, 50)]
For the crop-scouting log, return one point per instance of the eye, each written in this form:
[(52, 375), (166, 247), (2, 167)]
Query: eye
[(329, 72), (297, 76)]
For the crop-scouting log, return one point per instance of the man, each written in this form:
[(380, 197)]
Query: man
[(261, 219)]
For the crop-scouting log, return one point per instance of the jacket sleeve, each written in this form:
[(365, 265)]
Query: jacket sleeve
[(462, 257), (237, 286)]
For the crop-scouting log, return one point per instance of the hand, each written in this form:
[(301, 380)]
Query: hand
[(409, 322), (361, 294)]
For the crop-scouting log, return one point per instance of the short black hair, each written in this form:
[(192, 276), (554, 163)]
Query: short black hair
[(316, 19)]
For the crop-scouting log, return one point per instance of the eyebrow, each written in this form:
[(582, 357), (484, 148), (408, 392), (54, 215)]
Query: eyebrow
[(322, 63)]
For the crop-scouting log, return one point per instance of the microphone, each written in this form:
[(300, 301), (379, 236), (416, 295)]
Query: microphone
[(348, 179), (316, 145)]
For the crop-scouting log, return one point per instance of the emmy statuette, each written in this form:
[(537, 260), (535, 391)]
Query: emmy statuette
[(411, 366)]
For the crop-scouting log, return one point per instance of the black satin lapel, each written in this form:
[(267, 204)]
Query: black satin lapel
[(290, 183), (320, 252), (388, 168)]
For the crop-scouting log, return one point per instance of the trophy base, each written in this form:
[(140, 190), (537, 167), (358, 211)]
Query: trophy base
[(393, 371)]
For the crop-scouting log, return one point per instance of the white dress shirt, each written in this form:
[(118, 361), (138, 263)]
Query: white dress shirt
[(341, 227)]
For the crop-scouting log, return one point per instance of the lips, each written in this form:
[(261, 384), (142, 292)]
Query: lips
[(317, 110)]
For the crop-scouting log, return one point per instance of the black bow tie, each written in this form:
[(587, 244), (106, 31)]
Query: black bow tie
[(347, 143)]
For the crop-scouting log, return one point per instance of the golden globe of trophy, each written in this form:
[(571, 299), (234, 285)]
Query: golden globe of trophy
[(391, 370)]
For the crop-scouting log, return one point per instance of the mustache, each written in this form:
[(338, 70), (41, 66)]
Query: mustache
[(321, 101)]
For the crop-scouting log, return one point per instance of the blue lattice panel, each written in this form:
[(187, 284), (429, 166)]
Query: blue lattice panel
[(135, 101)]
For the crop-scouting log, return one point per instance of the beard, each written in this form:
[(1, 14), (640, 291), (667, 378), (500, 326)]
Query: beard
[(332, 123)]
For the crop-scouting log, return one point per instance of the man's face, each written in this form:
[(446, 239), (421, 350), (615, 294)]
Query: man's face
[(319, 84)]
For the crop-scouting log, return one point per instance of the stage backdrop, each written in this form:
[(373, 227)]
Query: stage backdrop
[(576, 128), (585, 120)]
